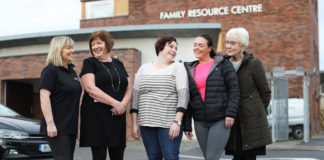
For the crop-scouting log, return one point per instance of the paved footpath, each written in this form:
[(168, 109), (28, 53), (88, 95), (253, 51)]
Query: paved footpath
[(189, 149), (316, 143)]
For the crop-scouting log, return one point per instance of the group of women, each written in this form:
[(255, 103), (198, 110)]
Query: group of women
[(226, 96)]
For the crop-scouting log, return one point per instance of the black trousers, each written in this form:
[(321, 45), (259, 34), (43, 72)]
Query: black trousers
[(245, 157), (115, 153), (62, 146)]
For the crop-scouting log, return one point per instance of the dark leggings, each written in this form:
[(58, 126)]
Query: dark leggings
[(99, 153), (62, 146), (248, 157)]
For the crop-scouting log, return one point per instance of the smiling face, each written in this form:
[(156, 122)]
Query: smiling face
[(67, 54), (201, 48), (98, 48), (169, 51), (233, 47)]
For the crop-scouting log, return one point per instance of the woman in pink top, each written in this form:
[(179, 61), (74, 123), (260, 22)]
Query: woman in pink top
[(214, 98), (200, 75)]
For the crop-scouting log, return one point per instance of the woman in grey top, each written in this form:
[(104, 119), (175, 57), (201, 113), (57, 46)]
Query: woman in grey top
[(160, 98)]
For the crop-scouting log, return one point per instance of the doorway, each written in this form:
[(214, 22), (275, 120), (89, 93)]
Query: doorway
[(23, 97)]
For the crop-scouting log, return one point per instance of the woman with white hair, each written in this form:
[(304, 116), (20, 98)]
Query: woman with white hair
[(250, 132)]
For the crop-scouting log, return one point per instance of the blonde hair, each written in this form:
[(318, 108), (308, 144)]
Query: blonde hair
[(56, 46)]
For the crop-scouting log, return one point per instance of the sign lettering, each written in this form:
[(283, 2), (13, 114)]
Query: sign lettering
[(220, 11)]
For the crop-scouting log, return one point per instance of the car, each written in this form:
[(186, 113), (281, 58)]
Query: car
[(20, 137), (295, 117)]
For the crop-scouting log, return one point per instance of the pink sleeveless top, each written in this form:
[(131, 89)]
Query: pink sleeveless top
[(200, 75)]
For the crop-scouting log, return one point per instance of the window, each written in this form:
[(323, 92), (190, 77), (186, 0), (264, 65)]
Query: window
[(104, 8), (121, 7)]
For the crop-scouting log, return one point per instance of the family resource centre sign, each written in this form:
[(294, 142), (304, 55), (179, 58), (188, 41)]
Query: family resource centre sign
[(254, 8)]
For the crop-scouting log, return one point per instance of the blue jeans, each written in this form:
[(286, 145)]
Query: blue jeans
[(158, 145)]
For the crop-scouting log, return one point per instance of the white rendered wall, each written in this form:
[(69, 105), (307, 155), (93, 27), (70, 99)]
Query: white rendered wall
[(24, 50), (144, 45)]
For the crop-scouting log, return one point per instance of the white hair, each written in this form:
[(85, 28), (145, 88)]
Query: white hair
[(241, 33)]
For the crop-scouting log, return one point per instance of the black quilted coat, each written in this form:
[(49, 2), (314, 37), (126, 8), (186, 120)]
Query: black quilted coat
[(222, 94)]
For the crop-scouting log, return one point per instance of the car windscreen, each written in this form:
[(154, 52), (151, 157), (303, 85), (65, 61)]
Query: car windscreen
[(5, 111)]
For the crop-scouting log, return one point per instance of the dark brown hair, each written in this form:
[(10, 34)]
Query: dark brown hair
[(212, 52), (104, 36), (160, 43)]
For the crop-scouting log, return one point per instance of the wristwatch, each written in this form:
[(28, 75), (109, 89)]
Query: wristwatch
[(177, 122)]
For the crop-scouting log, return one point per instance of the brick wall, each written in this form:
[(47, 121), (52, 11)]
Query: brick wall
[(284, 34), (315, 115), (280, 36), (30, 67)]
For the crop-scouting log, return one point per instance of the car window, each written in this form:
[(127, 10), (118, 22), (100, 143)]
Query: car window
[(5, 111)]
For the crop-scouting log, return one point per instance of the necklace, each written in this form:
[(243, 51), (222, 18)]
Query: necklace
[(111, 78)]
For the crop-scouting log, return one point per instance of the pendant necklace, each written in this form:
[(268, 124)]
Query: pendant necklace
[(111, 77)]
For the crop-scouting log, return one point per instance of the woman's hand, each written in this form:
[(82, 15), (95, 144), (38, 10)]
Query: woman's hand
[(119, 108), (189, 135), (174, 131), (229, 121), (135, 129), (51, 130), (136, 132)]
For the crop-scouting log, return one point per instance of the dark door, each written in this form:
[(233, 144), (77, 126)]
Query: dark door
[(19, 97)]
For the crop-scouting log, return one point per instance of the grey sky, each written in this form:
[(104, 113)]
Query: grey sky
[(29, 16), (321, 32)]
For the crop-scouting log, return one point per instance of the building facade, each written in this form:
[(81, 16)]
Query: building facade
[(283, 34)]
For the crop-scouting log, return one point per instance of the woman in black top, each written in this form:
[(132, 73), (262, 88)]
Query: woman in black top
[(108, 91), (60, 92)]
